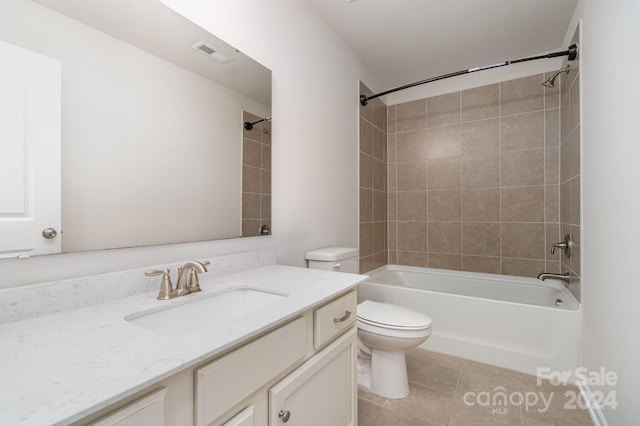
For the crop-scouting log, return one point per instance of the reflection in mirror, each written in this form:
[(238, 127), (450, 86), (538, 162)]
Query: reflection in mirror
[(256, 176), (153, 147)]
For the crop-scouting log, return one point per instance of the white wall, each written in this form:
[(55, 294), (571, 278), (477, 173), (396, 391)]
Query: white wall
[(315, 141), (611, 197)]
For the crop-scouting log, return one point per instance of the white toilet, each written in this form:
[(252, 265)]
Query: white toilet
[(385, 331)]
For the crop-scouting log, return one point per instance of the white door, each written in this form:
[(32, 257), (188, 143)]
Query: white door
[(30, 114), (321, 392)]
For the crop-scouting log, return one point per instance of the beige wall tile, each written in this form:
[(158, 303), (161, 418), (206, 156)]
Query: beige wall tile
[(552, 236), (523, 167), (393, 257), (366, 263), (552, 267), (443, 141), (552, 127), (411, 115), (366, 239), (412, 176), (392, 180), (565, 118), (565, 202), (366, 171), (574, 105), (481, 204), (444, 237), (552, 165), (444, 173), (266, 156), (266, 132), (552, 203), (379, 206), (522, 204), (266, 181), (379, 237), (251, 206), (251, 179), (521, 95), (574, 208), (266, 207), (445, 261), (480, 103), (412, 259), (481, 170), (489, 265), (251, 227), (479, 137), (378, 113), (481, 238), (392, 148), (522, 131), (378, 145), (379, 259), (379, 175), (522, 267), (443, 110), (411, 236), (392, 210), (412, 206), (366, 205), (412, 146), (391, 119), (523, 240), (366, 136), (251, 153), (444, 205), (392, 235)]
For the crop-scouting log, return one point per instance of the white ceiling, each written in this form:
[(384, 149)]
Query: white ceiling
[(403, 41)]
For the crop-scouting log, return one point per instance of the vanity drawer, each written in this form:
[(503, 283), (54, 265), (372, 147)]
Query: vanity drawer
[(224, 382), (333, 319)]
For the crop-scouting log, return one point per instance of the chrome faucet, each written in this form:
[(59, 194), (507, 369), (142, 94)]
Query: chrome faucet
[(188, 277), (566, 277)]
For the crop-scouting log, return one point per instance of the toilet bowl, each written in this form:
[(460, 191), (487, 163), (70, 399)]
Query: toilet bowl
[(385, 331)]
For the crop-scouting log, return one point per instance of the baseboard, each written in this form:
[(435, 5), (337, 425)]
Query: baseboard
[(596, 413)]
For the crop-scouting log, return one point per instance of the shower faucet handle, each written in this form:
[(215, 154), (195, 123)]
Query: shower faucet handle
[(566, 245)]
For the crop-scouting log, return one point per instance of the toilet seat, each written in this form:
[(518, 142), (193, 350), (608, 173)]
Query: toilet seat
[(392, 317)]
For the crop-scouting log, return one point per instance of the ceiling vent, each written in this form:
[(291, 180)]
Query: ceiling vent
[(205, 49)]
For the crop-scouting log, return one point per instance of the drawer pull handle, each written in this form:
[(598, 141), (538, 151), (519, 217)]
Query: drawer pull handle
[(284, 415), (345, 317)]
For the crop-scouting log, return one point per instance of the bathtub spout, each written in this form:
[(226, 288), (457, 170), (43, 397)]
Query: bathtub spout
[(566, 277)]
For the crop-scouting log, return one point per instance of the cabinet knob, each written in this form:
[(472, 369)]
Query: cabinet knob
[(284, 416)]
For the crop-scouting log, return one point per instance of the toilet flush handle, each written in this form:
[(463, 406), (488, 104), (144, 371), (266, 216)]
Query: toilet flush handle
[(336, 265)]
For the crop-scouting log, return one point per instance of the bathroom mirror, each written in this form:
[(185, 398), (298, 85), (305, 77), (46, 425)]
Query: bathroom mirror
[(152, 121)]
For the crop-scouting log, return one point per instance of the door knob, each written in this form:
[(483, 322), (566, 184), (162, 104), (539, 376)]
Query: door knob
[(49, 233)]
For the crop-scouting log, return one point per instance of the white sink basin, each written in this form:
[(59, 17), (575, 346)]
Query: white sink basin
[(199, 313)]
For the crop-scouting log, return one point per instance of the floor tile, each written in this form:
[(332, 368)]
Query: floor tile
[(368, 412), (432, 375), (424, 404)]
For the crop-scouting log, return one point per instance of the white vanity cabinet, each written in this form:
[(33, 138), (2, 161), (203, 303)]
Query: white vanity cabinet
[(320, 392), (306, 367)]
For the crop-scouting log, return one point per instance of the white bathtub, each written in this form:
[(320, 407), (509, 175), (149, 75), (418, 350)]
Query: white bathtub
[(512, 322)]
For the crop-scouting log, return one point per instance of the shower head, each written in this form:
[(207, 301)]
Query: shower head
[(551, 81)]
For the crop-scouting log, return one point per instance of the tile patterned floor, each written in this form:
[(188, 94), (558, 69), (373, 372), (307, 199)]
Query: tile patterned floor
[(446, 390)]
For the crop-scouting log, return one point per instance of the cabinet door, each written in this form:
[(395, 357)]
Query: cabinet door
[(146, 411), (321, 392), (29, 152)]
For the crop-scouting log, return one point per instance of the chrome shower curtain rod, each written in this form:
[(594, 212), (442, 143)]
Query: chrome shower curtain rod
[(249, 126), (572, 53)]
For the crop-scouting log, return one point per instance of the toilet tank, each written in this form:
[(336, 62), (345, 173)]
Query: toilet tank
[(339, 259)]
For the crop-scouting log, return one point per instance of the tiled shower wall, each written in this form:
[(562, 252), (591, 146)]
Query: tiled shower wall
[(256, 176), (570, 169), (473, 180), (373, 184)]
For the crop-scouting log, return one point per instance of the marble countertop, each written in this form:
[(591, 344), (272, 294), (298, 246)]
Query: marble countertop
[(59, 368)]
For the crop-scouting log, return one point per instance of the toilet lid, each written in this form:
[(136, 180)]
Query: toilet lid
[(392, 316)]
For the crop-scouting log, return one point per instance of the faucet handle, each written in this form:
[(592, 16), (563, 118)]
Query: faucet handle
[(566, 245), (166, 289), (193, 282)]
